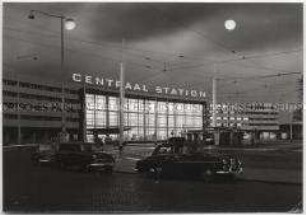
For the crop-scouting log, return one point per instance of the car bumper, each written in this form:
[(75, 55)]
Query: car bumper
[(100, 166), (230, 172)]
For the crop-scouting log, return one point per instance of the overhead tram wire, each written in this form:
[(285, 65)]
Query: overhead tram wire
[(92, 43), (149, 78), (102, 44), (77, 51), (137, 49), (255, 78), (240, 59), (201, 34), (233, 60), (186, 67), (73, 50), (93, 54), (117, 46), (144, 57)]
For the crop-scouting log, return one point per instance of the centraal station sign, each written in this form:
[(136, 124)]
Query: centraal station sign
[(113, 84)]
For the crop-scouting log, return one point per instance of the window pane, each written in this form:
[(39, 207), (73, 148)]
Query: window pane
[(162, 107), (133, 119), (113, 118), (162, 121), (113, 103), (150, 105), (100, 102)]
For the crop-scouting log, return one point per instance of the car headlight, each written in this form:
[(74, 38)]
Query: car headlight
[(224, 161)]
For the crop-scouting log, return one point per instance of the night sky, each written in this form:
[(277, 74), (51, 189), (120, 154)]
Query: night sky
[(175, 44)]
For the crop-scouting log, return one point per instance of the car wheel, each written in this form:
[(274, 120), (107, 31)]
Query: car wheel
[(35, 162), (97, 174), (207, 175), (155, 172), (62, 165), (109, 171)]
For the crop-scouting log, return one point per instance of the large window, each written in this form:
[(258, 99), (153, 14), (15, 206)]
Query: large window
[(95, 111), (144, 119)]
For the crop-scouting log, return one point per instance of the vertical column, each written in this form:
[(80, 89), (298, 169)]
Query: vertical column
[(84, 114), (63, 76), (174, 118), (122, 92), (156, 118), (214, 101), (18, 112), (291, 132), (144, 120), (107, 111), (214, 109), (95, 112), (167, 118)]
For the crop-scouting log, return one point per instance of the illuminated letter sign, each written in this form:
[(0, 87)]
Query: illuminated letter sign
[(76, 77), (112, 83)]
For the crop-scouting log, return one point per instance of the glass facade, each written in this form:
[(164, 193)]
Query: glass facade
[(145, 119)]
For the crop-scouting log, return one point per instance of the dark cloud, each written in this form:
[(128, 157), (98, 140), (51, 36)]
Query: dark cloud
[(195, 29)]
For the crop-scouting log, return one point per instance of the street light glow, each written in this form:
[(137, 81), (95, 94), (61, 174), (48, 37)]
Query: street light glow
[(230, 24), (69, 24)]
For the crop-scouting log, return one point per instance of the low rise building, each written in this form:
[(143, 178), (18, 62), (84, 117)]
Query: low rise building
[(257, 121)]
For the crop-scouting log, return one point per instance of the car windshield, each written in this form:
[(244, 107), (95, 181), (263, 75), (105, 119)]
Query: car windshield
[(70, 147), (44, 147), (185, 149), (165, 150)]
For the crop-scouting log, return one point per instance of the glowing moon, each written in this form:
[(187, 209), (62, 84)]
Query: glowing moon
[(230, 24)]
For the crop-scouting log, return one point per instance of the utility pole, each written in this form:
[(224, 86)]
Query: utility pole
[(214, 108), (84, 114), (18, 111), (214, 101), (122, 94), (69, 24)]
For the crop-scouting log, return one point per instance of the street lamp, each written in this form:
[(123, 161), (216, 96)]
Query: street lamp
[(68, 24)]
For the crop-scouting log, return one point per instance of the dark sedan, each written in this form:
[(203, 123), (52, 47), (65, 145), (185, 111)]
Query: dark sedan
[(78, 156), (171, 160)]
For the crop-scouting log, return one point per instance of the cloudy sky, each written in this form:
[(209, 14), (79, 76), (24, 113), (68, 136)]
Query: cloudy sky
[(175, 44)]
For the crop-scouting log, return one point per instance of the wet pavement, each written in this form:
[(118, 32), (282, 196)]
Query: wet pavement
[(43, 189), (52, 190)]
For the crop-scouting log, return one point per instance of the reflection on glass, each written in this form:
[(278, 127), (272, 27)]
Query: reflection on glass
[(141, 117)]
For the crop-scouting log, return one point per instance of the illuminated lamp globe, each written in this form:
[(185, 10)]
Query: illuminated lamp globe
[(230, 25), (69, 24)]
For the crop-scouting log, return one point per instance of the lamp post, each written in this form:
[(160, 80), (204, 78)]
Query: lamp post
[(122, 95), (68, 24)]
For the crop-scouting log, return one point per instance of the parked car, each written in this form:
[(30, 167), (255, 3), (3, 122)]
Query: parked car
[(170, 160), (44, 154), (80, 156), (83, 157)]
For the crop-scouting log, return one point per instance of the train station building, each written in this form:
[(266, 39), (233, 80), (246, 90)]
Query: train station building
[(151, 113)]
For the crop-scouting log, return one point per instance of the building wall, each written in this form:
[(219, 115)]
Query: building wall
[(258, 120), (147, 119), (32, 110)]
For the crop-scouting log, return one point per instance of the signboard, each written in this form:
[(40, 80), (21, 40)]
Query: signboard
[(135, 87)]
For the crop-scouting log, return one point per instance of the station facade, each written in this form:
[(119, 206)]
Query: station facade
[(32, 109)]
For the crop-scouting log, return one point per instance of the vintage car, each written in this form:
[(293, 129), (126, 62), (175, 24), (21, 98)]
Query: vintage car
[(83, 157), (78, 156), (44, 154), (172, 160)]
